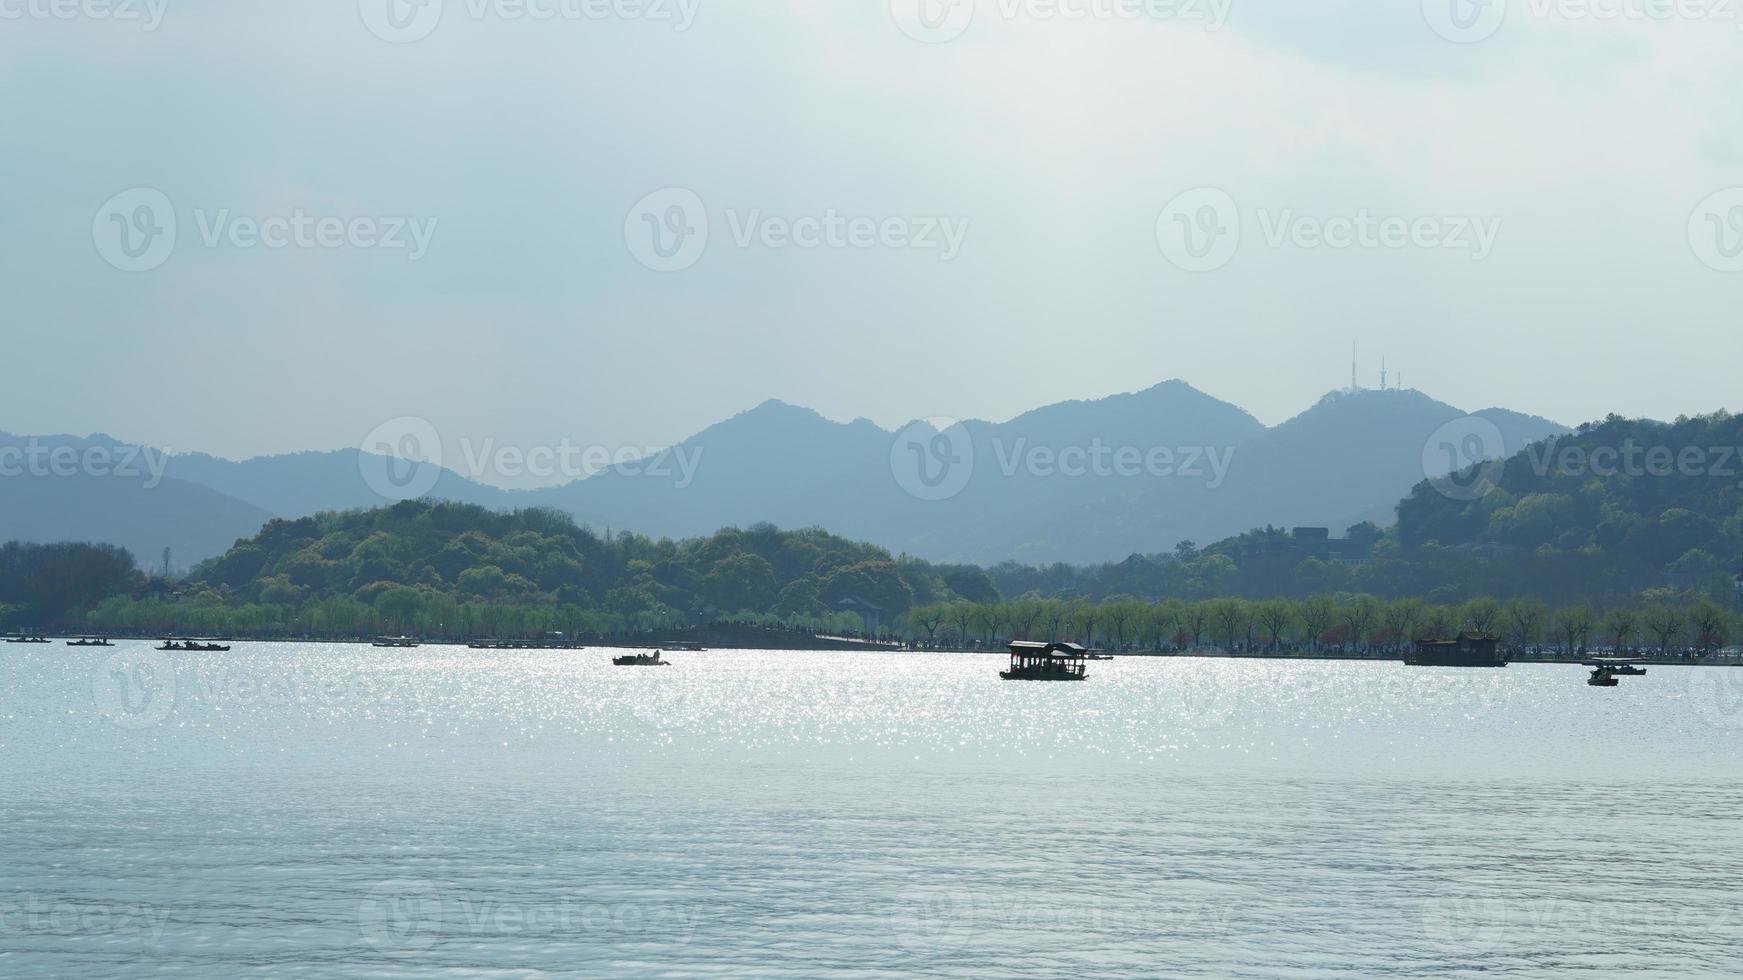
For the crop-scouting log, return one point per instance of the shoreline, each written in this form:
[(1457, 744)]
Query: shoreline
[(848, 645)]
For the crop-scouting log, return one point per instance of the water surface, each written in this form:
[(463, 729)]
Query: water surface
[(323, 811)]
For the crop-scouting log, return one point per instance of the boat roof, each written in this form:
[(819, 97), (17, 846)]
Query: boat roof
[(1047, 649), (1613, 661)]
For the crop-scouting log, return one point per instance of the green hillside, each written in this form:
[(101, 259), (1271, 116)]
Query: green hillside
[(463, 570)]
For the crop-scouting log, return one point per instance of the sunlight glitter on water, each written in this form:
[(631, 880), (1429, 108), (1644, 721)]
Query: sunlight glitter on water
[(315, 810)]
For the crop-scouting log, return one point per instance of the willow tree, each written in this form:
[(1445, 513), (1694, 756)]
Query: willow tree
[(1025, 613), (1665, 623), (1402, 618), (1524, 620), (1275, 617), (1196, 618), (961, 615), (1123, 613), (928, 618), (1165, 621), (1317, 613), (1084, 616), (1360, 615), (1573, 625), (1620, 624), (1709, 620), (1480, 615), (1228, 617)]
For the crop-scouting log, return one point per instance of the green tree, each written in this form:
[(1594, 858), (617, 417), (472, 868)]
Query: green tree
[(1228, 618), (1360, 614), (1620, 625), (1524, 619), (1275, 617), (1481, 615), (1708, 621), (1664, 622), (1573, 625), (1317, 614)]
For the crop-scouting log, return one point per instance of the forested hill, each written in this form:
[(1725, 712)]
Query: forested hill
[(419, 556), (1615, 510), (1648, 497)]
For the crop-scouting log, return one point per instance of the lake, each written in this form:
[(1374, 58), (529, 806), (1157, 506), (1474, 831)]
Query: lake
[(310, 810)]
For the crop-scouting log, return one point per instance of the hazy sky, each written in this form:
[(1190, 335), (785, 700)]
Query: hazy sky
[(1011, 215)]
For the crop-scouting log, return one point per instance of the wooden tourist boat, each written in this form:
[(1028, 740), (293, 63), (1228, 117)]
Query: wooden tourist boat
[(194, 646), (1034, 661), (1606, 669), (1468, 649)]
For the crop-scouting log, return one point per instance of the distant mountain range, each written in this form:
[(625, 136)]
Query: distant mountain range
[(1077, 481)]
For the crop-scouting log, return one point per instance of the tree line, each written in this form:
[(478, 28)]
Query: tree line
[(1664, 626)]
